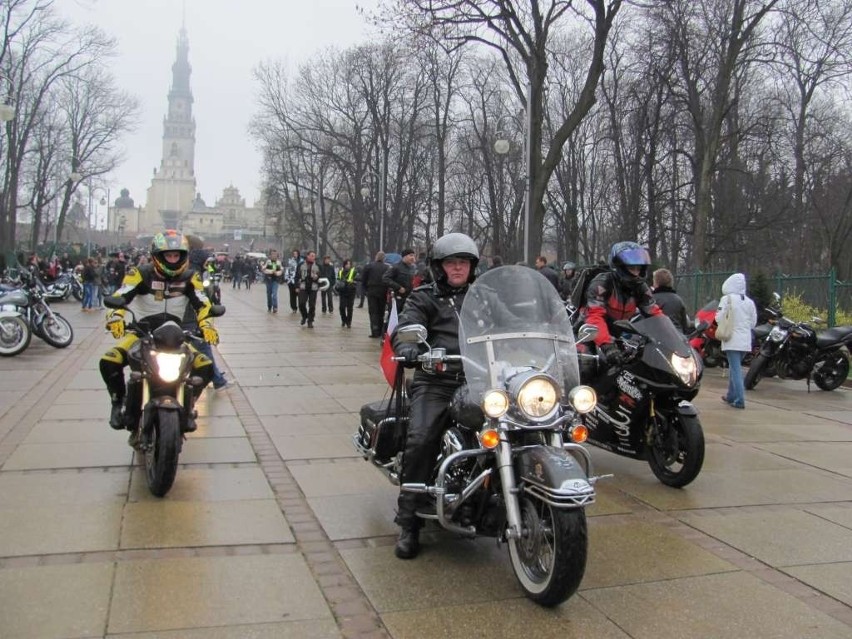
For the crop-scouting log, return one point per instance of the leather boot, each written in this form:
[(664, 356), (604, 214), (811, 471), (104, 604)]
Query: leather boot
[(408, 543), (116, 414)]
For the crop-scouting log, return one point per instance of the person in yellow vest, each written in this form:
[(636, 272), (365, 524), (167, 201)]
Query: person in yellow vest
[(346, 289)]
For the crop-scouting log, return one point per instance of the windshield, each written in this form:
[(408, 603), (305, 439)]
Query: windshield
[(512, 320), (666, 337)]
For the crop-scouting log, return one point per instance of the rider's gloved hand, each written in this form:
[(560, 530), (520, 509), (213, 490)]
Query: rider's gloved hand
[(409, 353), (612, 354), (115, 325), (209, 332)]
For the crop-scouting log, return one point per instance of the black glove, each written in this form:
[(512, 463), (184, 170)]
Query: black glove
[(612, 355), (410, 353)]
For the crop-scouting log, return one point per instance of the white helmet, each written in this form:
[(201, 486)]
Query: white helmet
[(324, 283)]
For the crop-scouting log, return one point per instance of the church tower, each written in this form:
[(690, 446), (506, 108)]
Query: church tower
[(172, 189)]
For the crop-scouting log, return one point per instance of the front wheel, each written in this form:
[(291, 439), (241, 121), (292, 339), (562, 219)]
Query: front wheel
[(161, 458), (56, 330), (549, 559), (77, 292), (755, 371), (15, 336), (831, 370), (676, 452)]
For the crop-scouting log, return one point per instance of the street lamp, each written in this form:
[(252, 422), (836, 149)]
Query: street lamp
[(365, 191), (7, 112)]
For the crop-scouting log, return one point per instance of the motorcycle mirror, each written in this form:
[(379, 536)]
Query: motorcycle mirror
[(217, 310), (412, 334), (586, 333), (776, 296), (115, 301)]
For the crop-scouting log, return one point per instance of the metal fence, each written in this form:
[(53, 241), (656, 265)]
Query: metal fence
[(820, 291)]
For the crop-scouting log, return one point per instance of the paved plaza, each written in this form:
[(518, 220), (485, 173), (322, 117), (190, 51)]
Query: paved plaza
[(275, 528)]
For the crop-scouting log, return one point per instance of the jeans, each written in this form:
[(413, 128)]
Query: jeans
[(736, 385), (89, 294), (206, 349), (271, 295)]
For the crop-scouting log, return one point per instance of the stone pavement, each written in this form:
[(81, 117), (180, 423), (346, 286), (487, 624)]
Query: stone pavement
[(275, 528)]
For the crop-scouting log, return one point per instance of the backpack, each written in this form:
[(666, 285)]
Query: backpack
[(578, 294)]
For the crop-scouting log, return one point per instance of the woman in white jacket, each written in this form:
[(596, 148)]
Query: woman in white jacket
[(739, 343)]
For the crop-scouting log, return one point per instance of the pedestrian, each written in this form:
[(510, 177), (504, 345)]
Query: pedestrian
[(346, 291), (668, 300), (372, 278), (327, 296), (307, 276), (360, 288), (237, 273), (90, 278), (568, 280), (739, 343), (549, 273), (399, 278), (293, 265), (272, 271)]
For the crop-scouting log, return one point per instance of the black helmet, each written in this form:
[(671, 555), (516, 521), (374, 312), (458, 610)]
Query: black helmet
[(453, 245), (624, 254)]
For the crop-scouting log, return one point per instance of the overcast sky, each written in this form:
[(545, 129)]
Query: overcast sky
[(227, 39)]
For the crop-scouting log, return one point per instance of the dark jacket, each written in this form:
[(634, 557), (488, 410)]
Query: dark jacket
[(672, 305), (372, 278), (608, 301), (437, 308), (327, 271), (551, 276), (400, 276)]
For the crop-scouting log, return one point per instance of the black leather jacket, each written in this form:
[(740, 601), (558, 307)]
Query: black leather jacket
[(436, 306)]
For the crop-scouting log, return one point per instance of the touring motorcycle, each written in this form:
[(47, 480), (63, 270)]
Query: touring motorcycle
[(644, 408), (15, 333), (511, 465), (42, 320), (161, 375), (794, 350)]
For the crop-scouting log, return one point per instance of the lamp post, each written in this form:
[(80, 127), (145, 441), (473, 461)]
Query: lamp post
[(365, 191)]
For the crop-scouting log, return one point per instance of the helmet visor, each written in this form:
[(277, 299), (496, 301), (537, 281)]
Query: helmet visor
[(635, 257)]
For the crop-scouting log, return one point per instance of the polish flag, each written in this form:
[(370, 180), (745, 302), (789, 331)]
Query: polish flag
[(388, 365)]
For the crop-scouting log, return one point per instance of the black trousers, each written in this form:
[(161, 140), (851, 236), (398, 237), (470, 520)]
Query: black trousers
[(308, 305), (346, 304), (294, 297), (430, 405), (327, 301), (376, 305)]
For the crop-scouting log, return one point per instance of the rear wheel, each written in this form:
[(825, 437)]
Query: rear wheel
[(676, 452), (831, 370), (550, 558), (161, 458), (15, 336), (755, 371), (56, 330)]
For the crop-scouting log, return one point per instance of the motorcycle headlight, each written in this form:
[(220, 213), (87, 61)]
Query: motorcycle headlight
[(495, 403), (686, 368), (583, 399), (777, 333), (169, 365), (538, 396), (205, 282)]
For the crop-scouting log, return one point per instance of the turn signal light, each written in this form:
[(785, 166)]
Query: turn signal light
[(579, 434), (489, 438)]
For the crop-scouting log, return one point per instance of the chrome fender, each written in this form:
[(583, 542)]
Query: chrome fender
[(554, 476)]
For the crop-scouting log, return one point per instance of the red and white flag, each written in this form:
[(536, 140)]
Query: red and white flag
[(388, 365)]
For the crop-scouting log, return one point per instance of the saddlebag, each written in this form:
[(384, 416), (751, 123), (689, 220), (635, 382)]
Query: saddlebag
[(383, 427)]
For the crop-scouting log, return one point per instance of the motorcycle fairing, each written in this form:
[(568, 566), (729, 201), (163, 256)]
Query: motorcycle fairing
[(553, 475)]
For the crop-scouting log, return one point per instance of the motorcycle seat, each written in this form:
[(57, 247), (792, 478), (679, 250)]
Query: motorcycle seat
[(833, 336)]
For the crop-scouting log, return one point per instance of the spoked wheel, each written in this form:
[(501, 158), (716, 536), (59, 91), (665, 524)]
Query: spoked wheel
[(56, 330), (161, 457), (676, 452), (15, 336), (550, 558), (831, 370), (77, 292), (755, 371)]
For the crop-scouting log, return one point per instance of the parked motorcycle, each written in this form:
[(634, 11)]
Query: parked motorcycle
[(794, 350), (511, 465), (704, 342), (161, 369), (644, 408), (62, 288), (15, 333), (43, 321)]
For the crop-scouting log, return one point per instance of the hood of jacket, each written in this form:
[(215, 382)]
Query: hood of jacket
[(734, 285)]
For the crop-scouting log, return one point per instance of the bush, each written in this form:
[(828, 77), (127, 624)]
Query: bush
[(796, 309)]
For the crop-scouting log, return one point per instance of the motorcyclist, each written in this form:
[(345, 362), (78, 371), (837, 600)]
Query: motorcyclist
[(567, 280), (619, 293), (436, 306), (156, 292)]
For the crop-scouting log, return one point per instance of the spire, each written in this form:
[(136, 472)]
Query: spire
[(181, 69)]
